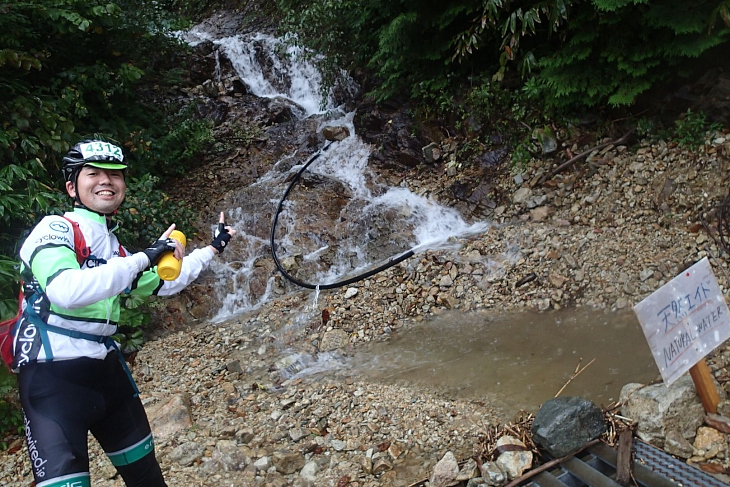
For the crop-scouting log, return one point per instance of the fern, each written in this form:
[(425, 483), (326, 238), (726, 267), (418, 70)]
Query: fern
[(578, 53)]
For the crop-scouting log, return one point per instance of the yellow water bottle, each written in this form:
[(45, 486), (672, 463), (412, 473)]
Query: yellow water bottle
[(168, 268)]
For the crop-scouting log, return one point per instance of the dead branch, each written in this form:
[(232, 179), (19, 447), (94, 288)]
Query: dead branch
[(580, 156), (549, 464), (577, 372)]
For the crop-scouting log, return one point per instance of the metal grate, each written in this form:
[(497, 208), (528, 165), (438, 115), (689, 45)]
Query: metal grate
[(596, 467), (668, 466)]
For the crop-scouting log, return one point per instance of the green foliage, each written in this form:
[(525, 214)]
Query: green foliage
[(11, 418), (404, 43), (9, 278), (186, 139), (133, 318), (69, 68), (169, 147), (436, 97), (513, 21), (572, 53), (243, 135), (619, 50), (147, 211), (522, 154), (690, 130), (190, 9)]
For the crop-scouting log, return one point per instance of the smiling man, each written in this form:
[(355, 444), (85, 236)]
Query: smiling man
[(72, 378)]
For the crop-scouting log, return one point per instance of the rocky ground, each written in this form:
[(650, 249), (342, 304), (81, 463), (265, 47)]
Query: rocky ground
[(604, 234)]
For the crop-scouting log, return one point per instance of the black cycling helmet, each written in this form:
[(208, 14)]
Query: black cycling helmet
[(97, 153)]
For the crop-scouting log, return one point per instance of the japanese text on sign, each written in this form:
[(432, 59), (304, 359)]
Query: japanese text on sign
[(684, 320)]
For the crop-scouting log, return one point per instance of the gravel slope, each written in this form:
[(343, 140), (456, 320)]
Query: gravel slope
[(603, 234)]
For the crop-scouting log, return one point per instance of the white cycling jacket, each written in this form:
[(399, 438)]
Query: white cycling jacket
[(85, 298)]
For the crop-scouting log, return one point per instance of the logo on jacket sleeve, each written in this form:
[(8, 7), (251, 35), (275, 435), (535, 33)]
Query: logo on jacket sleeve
[(59, 227)]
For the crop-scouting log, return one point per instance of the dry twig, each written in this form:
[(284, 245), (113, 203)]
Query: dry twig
[(580, 156), (577, 372)]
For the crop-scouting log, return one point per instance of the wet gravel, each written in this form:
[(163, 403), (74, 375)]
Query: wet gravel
[(604, 234)]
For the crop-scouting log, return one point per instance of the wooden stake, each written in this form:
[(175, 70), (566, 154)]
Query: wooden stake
[(706, 389), (623, 462)]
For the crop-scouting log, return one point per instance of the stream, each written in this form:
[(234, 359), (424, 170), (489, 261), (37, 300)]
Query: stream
[(513, 361)]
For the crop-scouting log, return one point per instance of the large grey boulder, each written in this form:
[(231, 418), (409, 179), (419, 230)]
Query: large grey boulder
[(659, 409), (565, 424)]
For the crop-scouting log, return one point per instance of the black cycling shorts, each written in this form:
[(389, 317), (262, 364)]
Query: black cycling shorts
[(64, 400)]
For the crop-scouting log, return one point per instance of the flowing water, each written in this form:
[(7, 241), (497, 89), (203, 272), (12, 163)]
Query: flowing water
[(526, 357), (517, 360), (375, 223)]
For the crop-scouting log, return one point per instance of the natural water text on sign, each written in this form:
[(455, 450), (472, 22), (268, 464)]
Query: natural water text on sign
[(684, 320)]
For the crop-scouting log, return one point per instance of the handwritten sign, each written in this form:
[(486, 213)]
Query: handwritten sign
[(684, 320)]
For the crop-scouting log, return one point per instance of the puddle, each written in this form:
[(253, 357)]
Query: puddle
[(515, 361)]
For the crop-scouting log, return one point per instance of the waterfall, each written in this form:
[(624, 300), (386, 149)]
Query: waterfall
[(372, 207)]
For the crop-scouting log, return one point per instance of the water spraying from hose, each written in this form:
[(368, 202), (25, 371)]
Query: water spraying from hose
[(333, 285)]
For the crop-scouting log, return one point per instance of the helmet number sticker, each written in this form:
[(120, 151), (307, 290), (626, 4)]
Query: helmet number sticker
[(103, 149)]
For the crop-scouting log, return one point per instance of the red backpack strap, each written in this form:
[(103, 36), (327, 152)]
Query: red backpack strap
[(82, 251), (8, 328)]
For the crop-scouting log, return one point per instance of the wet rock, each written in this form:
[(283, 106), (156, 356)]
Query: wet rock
[(446, 471), (493, 158), (291, 263), (279, 112), (335, 133), (214, 111), (431, 153), (334, 339), (659, 409), (547, 140), (564, 424), (237, 86), (409, 158)]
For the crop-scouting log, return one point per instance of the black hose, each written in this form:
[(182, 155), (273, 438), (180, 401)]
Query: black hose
[(334, 285)]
